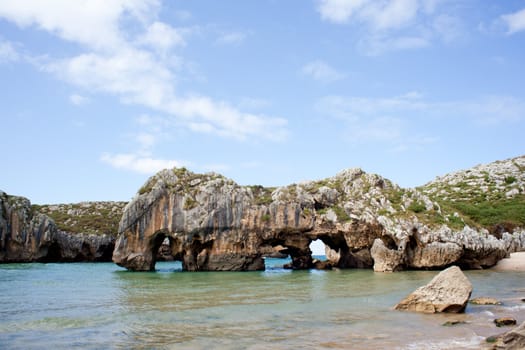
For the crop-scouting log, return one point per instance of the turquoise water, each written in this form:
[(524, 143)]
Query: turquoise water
[(101, 306)]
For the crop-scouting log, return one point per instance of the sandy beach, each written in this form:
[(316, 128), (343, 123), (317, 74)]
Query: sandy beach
[(516, 262)]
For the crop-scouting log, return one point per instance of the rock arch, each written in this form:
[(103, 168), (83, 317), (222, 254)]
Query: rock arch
[(213, 224)]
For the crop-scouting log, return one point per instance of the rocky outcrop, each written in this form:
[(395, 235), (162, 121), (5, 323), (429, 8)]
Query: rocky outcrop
[(27, 235), (365, 221), (489, 195), (449, 292)]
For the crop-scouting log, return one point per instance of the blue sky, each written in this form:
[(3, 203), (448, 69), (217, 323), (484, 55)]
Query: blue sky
[(98, 95)]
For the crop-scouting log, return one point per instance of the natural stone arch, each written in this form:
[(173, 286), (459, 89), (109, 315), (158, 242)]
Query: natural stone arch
[(222, 226)]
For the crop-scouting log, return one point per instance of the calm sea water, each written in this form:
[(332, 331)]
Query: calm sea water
[(101, 306)]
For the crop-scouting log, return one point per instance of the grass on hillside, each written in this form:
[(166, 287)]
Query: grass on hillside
[(492, 213), (101, 221)]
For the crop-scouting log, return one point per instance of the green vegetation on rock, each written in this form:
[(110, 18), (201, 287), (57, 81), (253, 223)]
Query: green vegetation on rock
[(86, 217)]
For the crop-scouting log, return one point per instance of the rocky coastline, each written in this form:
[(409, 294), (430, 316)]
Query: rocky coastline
[(27, 235), (210, 223), (364, 220)]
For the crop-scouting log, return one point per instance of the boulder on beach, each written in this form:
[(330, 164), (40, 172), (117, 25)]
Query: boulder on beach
[(449, 291)]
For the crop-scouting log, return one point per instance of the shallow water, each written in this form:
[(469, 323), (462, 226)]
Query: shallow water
[(101, 306)]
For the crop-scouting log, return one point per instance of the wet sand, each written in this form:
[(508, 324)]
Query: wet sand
[(516, 262)]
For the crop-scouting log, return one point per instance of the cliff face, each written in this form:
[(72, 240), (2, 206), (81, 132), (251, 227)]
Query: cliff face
[(27, 235), (212, 223)]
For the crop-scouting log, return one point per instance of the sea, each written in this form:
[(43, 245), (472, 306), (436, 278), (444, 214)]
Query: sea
[(102, 306)]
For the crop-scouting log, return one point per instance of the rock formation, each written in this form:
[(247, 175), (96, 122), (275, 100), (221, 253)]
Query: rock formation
[(365, 221), (512, 340), (27, 235), (449, 291)]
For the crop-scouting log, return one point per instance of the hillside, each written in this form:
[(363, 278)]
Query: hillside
[(85, 217), (491, 196)]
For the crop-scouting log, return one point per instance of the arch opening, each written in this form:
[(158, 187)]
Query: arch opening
[(165, 257), (275, 256), (318, 248)]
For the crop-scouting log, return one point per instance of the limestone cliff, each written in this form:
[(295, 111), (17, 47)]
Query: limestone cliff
[(26, 235), (212, 223)]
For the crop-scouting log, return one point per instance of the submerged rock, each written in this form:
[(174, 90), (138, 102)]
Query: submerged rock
[(512, 340), (485, 301), (504, 321), (449, 291)]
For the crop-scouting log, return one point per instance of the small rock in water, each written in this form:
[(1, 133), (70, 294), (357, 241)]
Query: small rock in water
[(492, 338), (504, 321), (485, 301), (453, 323), (511, 340)]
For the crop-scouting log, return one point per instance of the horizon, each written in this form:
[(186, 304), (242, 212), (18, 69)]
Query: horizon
[(266, 93)]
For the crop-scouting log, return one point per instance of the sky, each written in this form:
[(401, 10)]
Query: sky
[(98, 95)]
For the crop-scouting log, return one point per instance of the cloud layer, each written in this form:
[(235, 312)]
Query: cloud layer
[(140, 69)]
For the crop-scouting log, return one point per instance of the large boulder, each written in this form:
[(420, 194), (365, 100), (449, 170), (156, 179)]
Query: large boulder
[(449, 291)]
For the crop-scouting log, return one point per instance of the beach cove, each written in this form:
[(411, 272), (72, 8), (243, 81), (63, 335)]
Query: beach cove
[(93, 306)]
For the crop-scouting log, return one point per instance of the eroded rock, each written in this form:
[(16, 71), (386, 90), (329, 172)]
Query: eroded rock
[(449, 291), (212, 223), (512, 340), (27, 235)]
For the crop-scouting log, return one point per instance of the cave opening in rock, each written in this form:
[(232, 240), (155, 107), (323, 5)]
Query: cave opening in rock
[(318, 248), (164, 256), (276, 256)]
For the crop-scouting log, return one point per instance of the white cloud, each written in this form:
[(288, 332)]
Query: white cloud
[(251, 103), (448, 28), (78, 100), (388, 120), (352, 108), (7, 52), (231, 38), (392, 14), (489, 110), (340, 11), (377, 14), (209, 116), (132, 74), (392, 121), (139, 163), (134, 68), (515, 21), (321, 71), (146, 140), (391, 25), (90, 22), (162, 37)]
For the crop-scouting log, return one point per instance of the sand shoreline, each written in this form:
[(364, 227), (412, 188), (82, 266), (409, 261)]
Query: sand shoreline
[(516, 262)]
